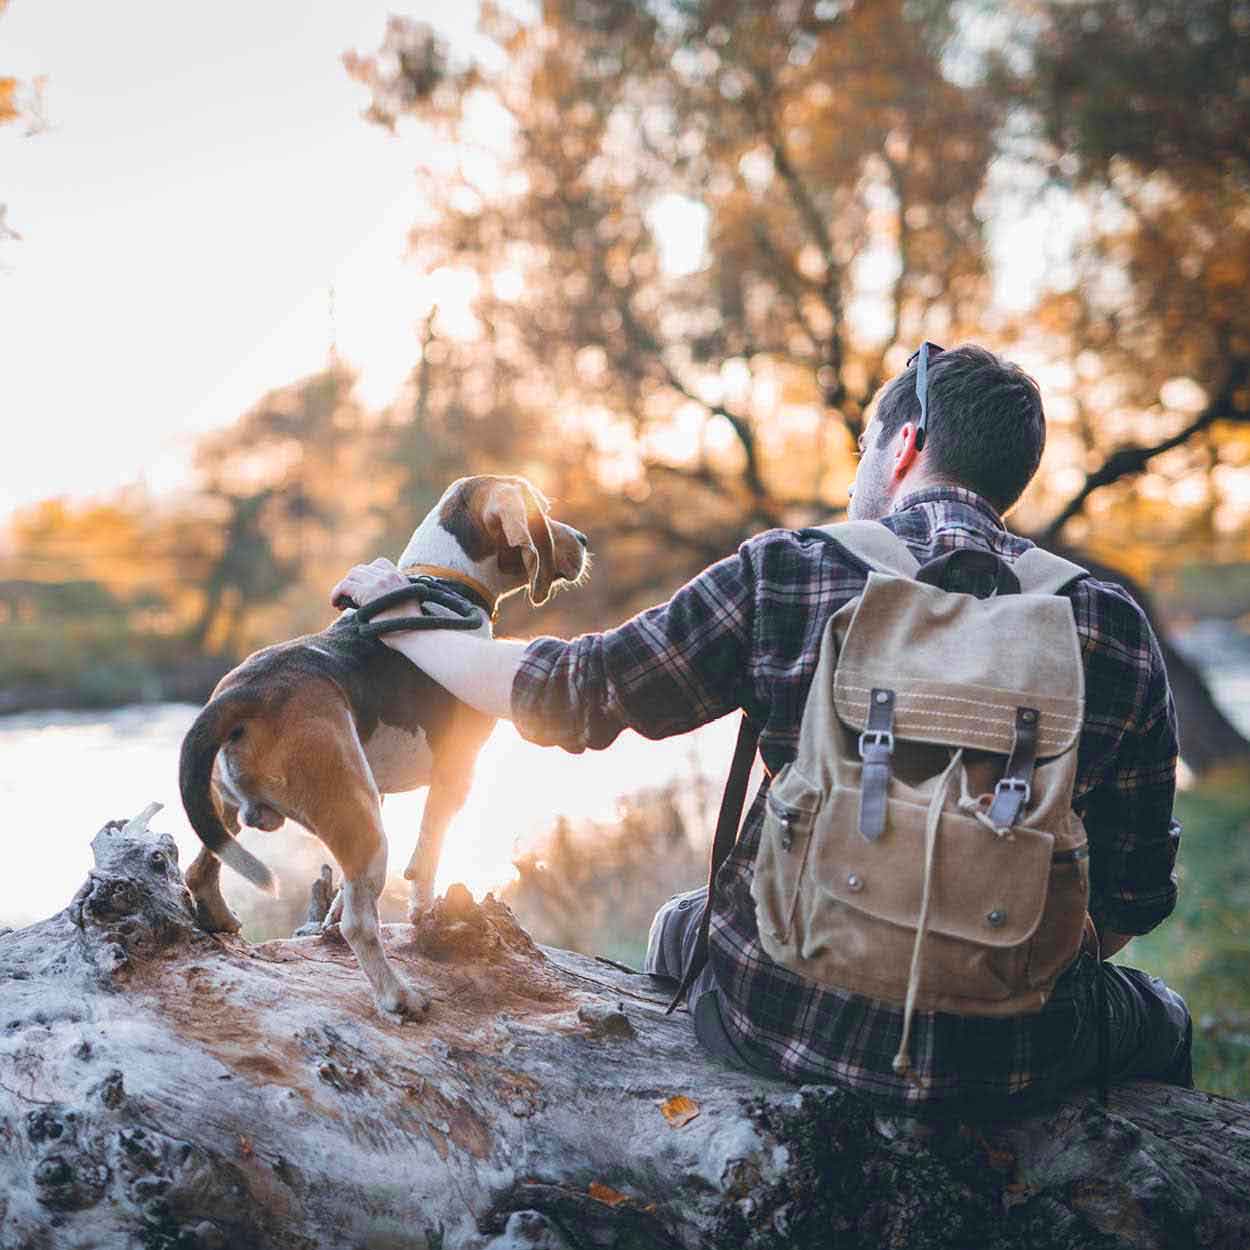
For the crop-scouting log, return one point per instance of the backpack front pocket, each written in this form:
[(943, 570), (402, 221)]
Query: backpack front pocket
[(790, 808), (852, 924)]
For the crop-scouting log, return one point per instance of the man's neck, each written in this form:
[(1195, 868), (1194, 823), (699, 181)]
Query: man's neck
[(913, 484), (950, 491)]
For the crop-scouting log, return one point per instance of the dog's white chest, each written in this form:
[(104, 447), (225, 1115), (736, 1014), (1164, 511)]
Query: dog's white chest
[(398, 759)]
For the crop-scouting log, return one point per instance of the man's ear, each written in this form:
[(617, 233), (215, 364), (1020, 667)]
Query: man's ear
[(514, 517), (905, 452)]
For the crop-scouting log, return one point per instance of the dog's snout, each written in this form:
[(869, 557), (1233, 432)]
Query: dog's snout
[(581, 538)]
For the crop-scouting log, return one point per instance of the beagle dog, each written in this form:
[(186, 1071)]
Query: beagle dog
[(318, 728)]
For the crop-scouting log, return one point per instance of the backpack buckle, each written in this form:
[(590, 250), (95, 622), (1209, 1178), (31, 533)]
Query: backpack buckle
[(1011, 797), (876, 738)]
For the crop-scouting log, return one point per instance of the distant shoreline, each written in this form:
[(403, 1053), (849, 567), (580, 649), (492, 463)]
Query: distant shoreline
[(190, 682)]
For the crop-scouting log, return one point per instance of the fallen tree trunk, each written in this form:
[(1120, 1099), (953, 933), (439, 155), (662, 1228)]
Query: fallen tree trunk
[(161, 1087)]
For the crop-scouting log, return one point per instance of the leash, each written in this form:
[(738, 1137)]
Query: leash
[(423, 589), (473, 590)]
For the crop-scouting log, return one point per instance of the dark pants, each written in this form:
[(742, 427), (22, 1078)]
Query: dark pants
[(1149, 1032), (670, 948)]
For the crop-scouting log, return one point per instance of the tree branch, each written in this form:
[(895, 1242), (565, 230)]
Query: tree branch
[(812, 218), (1126, 461)]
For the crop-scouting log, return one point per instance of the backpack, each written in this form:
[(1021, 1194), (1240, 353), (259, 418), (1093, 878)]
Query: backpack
[(921, 849)]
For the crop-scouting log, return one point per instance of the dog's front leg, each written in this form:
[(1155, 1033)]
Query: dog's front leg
[(449, 788)]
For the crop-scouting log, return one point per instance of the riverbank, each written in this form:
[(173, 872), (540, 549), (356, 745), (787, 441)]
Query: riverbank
[(118, 684)]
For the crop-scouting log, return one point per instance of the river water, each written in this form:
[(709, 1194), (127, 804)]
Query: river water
[(63, 774)]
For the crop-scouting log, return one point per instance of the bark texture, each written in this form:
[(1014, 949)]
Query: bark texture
[(164, 1088)]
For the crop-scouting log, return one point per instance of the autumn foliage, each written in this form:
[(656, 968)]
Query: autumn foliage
[(679, 248)]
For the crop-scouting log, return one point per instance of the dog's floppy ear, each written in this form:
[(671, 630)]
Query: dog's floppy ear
[(514, 516)]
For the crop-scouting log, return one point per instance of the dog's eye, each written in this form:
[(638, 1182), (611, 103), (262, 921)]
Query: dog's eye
[(157, 859)]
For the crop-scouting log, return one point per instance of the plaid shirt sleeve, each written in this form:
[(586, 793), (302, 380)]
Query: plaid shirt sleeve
[(1131, 724), (667, 670)]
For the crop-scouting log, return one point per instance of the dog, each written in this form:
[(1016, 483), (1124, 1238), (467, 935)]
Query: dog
[(318, 728)]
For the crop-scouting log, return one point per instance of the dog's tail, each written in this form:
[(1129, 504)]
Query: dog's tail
[(222, 718)]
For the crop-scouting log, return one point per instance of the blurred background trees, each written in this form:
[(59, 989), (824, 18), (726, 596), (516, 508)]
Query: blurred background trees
[(680, 245), (673, 249)]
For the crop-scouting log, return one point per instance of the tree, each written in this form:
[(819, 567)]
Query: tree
[(288, 491), (19, 102), (826, 172), (1141, 109)]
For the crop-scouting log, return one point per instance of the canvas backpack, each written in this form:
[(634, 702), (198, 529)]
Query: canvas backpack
[(921, 849)]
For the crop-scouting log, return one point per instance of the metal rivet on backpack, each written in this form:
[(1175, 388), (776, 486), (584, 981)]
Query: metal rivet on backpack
[(1028, 716), (854, 883), (996, 917), (882, 697)]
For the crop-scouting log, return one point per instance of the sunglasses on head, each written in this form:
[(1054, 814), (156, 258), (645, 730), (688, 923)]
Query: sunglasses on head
[(922, 386)]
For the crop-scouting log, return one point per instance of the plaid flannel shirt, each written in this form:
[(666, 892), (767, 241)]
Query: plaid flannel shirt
[(745, 634)]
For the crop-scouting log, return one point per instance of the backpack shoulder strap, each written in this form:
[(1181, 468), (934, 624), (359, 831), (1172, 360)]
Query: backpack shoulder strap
[(875, 545), (1043, 573), (726, 836)]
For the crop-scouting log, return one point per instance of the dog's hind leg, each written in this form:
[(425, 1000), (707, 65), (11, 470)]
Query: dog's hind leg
[(339, 802), (203, 878), (359, 927)]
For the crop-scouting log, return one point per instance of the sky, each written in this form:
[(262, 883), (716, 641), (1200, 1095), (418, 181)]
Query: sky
[(205, 180)]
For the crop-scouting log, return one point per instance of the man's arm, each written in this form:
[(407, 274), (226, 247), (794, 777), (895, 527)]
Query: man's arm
[(478, 671), (667, 670), (1128, 815)]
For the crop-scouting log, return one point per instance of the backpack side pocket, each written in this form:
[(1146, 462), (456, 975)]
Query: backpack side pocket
[(1058, 940), (790, 809)]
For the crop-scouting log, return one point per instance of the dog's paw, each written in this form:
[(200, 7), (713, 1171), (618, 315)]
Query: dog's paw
[(420, 900), (216, 917), (405, 1003)]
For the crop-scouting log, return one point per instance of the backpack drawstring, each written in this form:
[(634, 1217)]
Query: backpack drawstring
[(933, 816)]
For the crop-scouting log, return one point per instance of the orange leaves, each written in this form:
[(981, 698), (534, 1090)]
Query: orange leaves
[(605, 1194), (678, 1110), (8, 100)]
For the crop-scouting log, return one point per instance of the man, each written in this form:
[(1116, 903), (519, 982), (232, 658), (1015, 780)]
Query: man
[(744, 634)]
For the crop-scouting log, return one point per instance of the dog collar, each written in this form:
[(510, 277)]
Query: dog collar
[(478, 592)]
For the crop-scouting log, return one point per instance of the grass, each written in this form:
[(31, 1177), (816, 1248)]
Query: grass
[(1203, 950)]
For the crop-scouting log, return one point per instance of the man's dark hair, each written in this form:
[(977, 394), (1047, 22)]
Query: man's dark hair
[(985, 426)]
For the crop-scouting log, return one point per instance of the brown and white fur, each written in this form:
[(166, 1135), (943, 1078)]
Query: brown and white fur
[(319, 728)]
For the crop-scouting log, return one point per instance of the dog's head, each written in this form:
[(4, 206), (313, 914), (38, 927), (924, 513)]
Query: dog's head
[(503, 524)]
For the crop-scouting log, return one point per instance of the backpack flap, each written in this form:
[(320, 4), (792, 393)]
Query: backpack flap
[(960, 667)]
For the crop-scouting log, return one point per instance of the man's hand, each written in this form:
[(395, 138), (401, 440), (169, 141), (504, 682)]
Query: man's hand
[(1102, 945), (478, 671), (366, 582)]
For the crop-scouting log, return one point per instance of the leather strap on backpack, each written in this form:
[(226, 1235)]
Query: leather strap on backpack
[(722, 843), (876, 745), (1014, 790)]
